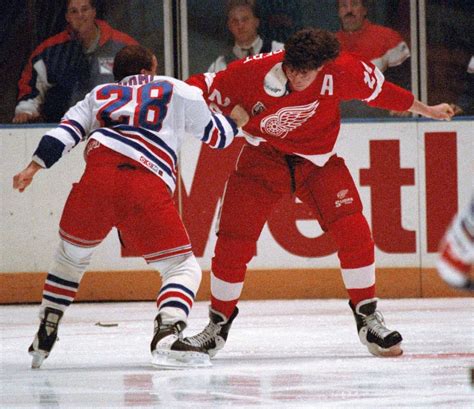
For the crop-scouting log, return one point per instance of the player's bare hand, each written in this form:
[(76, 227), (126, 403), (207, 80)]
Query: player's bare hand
[(23, 179), (240, 116), (457, 109), (24, 117), (441, 111)]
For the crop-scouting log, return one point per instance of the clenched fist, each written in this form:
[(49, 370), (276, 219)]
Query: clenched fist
[(23, 179), (240, 116)]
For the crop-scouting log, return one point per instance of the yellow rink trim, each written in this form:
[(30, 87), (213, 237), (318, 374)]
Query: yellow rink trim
[(259, 285)]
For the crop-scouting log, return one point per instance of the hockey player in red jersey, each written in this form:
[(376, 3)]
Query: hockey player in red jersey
[(293, 99), (134, 130)]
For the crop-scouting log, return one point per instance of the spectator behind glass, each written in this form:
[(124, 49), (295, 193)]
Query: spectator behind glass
[(280, 18), (64, 67), (243, 23), (465, 102), (381, 45)]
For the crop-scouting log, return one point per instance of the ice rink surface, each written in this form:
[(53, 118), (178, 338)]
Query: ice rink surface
[(280, 354)]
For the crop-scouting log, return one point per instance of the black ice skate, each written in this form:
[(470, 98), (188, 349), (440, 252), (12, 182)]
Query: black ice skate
[(214, 336), (373, 333), (46, 336), (169, 350)]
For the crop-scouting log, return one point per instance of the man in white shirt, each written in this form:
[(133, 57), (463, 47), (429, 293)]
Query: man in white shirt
[(243, 23)]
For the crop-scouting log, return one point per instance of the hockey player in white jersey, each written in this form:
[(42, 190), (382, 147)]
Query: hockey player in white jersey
[(133, 129), (456, 253)]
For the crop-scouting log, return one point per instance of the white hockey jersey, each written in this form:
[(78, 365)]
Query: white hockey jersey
[(142, 117)]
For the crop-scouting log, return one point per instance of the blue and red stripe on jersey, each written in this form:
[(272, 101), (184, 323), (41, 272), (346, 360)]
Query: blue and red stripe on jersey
[(74, 128), (214, 133), (134, 144), (153, 142)]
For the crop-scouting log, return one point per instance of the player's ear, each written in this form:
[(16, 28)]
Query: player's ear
[(147, 72)]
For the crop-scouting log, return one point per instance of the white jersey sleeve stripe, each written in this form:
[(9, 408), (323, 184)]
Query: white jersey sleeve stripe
[(65, 136), (217, 132), (80, 130), (229, 128), (208, 132), (72, 132), (222, 139)]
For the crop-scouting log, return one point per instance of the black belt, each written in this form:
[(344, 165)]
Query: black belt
[(292, 161)]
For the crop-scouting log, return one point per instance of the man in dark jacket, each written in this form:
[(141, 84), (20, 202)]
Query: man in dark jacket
[(64, 67)]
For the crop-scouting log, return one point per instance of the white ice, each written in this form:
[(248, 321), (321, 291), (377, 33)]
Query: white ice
[(280, 354)]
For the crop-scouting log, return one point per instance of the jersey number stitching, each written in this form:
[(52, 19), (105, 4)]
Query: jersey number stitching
[(369, 79), (151, 105)]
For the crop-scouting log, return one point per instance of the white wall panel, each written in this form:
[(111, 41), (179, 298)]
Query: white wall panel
[(29, 221)]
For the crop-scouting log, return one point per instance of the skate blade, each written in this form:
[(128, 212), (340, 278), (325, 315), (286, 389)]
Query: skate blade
[(393, 351), (180, 360), (38, 358)]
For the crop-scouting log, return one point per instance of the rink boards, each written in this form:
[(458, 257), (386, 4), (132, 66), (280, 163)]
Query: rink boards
[(412, 176)]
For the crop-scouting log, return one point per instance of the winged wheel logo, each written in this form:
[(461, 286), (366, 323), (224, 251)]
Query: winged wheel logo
[(287, 119)]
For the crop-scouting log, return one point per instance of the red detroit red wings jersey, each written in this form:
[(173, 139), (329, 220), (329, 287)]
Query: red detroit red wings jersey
[(305, 122)]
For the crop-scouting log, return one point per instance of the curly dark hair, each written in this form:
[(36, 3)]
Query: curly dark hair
[(130, 60), (310, 48)]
